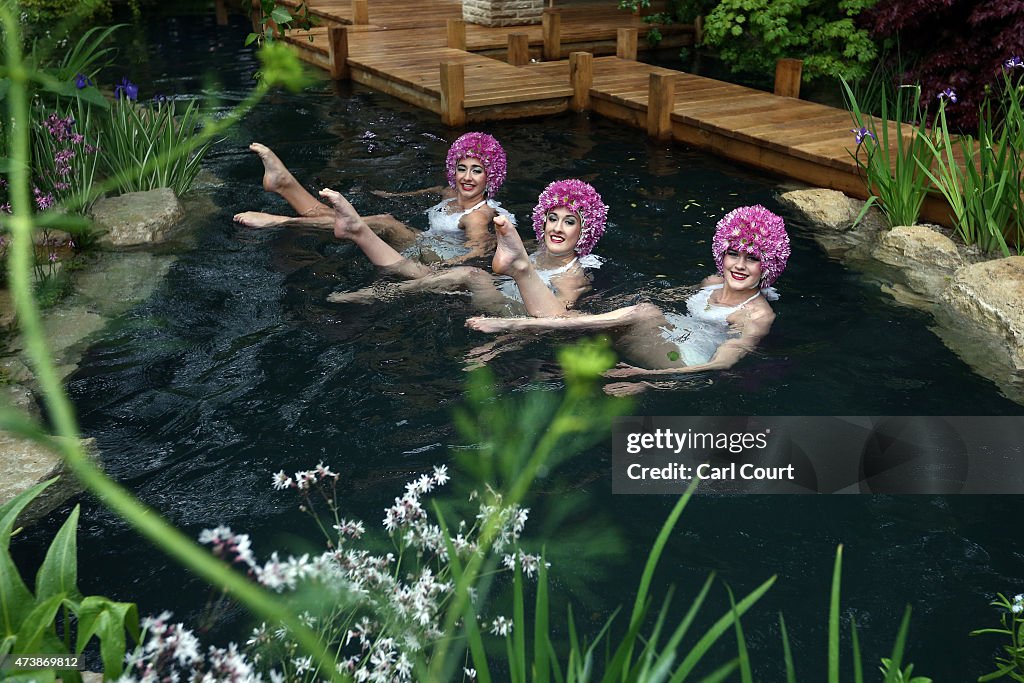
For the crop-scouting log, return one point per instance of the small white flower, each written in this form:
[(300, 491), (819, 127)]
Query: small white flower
[(282, 481), (501, 626), (470, 673), (1017, 608), (441, 475), (1019, 597)]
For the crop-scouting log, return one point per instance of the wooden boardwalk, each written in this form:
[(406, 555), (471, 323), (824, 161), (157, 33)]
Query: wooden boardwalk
[(404, 51)]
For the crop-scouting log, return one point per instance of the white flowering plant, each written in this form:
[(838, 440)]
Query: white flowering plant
[(380, 613), (1011, 617)]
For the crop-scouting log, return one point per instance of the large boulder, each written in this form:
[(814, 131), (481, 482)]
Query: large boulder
[(25, 463), (137, 218), (926, 257), (990, 295), (828, 208)]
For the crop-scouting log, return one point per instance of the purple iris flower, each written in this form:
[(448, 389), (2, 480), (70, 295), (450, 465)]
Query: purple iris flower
[(126, 89), (862, 133), (81, 81), (159, 98), (1014, 63), (948, 94)]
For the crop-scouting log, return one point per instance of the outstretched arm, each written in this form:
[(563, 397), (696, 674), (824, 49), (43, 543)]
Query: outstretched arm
[(753, 330)]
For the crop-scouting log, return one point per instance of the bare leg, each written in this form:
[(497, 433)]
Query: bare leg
[(391, 230), (257, 219), (510, 258), (462, 279), (279, 180), (349, 225)]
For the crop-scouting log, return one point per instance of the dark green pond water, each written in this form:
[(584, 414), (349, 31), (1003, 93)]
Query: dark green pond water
[(236, 368)]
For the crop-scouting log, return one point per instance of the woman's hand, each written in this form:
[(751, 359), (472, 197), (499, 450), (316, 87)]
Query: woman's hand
[(624, 370)]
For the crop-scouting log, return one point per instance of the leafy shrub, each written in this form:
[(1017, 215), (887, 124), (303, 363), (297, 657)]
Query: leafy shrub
[(30, 621), (893, 164), (984, 191), (146, 146), (957, 44), (751, 35)]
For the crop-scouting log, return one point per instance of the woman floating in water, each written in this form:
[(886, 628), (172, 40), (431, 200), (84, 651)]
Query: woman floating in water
[(725, 319), (568, 220), (475, 167)]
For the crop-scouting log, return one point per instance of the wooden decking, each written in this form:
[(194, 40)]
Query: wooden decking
[(403, 51)]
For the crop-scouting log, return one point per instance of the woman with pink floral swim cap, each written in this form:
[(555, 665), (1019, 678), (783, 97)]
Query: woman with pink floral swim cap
[(725, 319), (475, 167), (568, 221)]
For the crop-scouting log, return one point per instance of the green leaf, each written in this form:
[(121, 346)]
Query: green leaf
[(15, 598), (833, 619), (107, 619), (10, 510), (281, 15), (58, 574), (251, 38), (38, 627), (787, 654)]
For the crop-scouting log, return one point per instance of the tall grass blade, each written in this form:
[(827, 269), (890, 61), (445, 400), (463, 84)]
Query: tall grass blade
[(833, 619), (787, 654)]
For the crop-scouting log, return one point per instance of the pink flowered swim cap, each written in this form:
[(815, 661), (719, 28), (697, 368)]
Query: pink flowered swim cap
[(754, 230), (483, 147), (577, 196)]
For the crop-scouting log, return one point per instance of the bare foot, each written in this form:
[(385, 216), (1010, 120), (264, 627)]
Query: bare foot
[(255, 219), (276, 176), (482, 323), (348, 224), (510, 257)]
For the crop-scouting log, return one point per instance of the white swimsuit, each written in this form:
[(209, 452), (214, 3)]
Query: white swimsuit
[(704, 328), (444, 236), (508, 287)]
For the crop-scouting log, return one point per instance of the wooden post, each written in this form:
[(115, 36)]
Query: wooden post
[(698, 30), (256, 14), (337, 52), (453, 94), (551, 22), (518, 49), (787, 77), (222, 13), (625, 43), (360, 13), (581, 75), (457, 34), (661, 92)]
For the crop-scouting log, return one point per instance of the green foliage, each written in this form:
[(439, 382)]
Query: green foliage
[(28, 623), (984, 192), (146, 146), (1011, 617), (274, 19), (892, 155), (677, 12), (631, 656), (751, 35)]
